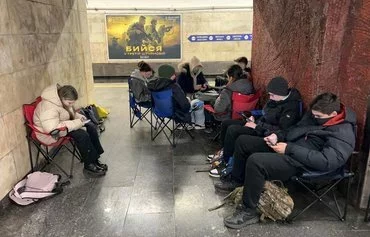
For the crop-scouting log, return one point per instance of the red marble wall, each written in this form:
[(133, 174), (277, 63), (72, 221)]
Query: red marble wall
[(318, 45)]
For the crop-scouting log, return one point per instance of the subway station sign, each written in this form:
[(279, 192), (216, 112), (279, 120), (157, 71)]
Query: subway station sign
[(220, 37)]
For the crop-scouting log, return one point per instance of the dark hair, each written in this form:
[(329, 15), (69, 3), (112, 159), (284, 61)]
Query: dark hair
[(67, 92), (144, 67), (142, 17), (326, 103), (241, 60), (235, 71)]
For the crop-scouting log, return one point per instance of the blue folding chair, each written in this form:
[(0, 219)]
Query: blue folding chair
[(163, 113), (137, 111)]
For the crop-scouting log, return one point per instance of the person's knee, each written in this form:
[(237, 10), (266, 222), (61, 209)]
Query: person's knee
[(233, 130), (82, 134)]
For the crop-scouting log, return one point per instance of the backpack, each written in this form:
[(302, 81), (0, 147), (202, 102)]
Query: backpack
[(36, 186), (91, 112), (275, 203)]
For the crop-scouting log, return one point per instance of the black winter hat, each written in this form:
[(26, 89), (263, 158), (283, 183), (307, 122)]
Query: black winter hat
[(166, 71), (278, 86)]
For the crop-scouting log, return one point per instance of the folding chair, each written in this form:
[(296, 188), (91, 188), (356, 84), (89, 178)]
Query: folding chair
[(137, 111), (163, 112), (240, 103), (48, 151), (313, 181)]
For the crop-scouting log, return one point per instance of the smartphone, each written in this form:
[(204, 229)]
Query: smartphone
[(86, 121), (245, 116)]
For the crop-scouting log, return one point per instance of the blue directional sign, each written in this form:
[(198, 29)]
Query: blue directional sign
[(220, 37)]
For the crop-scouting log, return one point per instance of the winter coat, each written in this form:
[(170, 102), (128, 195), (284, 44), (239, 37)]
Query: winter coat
[(50, 114), (185, 80), (321, 147), (138, 85), (280, 114), (181, 104), (223, 104)]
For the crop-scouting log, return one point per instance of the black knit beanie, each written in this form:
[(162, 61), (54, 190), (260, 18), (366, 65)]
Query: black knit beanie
[(278, 86), (166, 71)]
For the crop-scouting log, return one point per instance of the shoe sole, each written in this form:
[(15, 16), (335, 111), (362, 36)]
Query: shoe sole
[(214, 175), (249, 222), (93, 173)]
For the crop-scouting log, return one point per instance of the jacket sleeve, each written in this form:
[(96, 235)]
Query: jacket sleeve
[(50, 120), (141, 92), (180, 98), (223, 102), (288, 118), (201, 80), (333, 155)]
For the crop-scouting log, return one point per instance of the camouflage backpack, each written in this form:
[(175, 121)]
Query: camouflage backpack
[(275, 203)]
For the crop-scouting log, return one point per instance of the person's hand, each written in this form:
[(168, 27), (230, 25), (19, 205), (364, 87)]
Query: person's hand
[(279, 147), (250, 124), (252, 119), (203, 88), (197, 87), (271, 140), (83, 118)]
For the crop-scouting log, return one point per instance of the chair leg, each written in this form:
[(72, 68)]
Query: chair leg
[(318, 198), (216, 137), (30, 153), (367, 218)]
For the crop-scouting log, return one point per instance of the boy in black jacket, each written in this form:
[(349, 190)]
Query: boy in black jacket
[(322, 141), (282, 111), (166, 79)]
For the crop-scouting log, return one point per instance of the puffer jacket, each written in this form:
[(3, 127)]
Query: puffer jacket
[(50, 114), (280, 114), (321, 147), (138, 85), (223, 104)]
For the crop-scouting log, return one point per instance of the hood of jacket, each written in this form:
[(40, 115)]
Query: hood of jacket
[(242, 86), (194, 62), (159, 84), (50, 94), (136, 74)]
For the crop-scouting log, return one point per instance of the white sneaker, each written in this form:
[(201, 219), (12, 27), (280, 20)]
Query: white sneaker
[(214, 173), (199, 127), (190, 127)]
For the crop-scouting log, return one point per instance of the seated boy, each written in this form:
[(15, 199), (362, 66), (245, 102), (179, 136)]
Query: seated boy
[(322, 141)]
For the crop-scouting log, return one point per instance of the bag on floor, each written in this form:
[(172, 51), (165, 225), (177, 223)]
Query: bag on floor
[(36, 186), (102, 112), (275, 203)]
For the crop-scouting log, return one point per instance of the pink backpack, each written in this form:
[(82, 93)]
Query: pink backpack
[(34, 187)]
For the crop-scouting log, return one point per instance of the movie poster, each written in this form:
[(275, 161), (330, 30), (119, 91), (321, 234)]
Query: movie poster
[(144, 36)]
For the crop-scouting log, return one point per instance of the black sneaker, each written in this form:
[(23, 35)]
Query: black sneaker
[(242, 217), (101, 165), (227, 186), (93, 169)]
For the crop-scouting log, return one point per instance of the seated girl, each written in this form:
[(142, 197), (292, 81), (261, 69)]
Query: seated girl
[(56, 111)]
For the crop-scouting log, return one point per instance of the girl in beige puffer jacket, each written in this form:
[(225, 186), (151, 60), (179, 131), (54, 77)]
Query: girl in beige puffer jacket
[(56, 111)]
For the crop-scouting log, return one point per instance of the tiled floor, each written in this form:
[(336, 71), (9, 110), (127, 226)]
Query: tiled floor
[(151, 190)]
